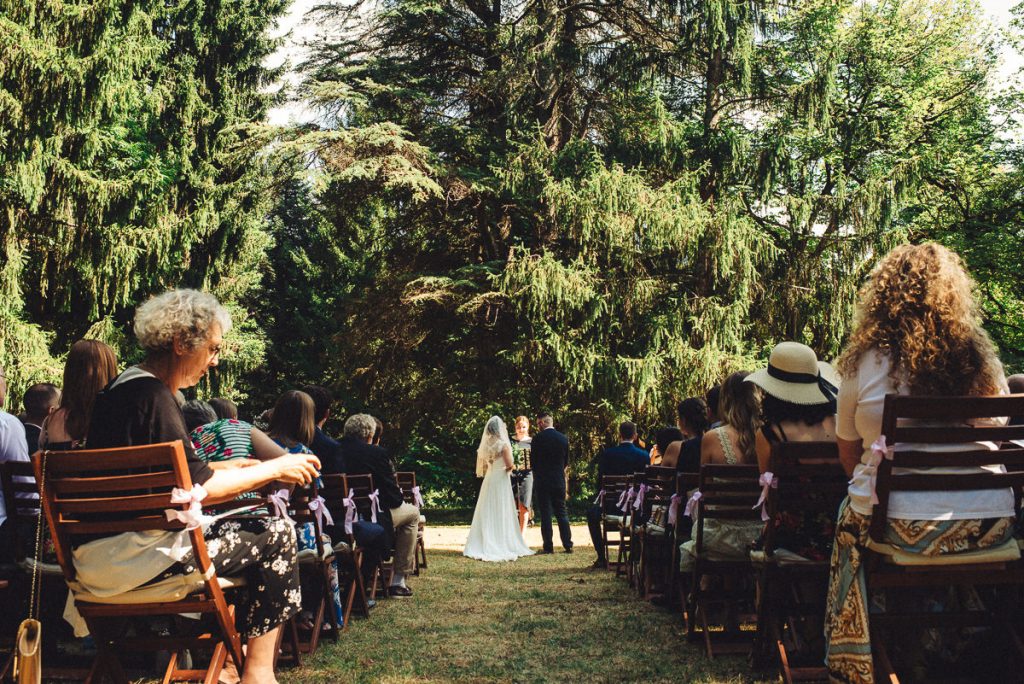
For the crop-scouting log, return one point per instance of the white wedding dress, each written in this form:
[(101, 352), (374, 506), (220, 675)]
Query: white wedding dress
[(495, 534)]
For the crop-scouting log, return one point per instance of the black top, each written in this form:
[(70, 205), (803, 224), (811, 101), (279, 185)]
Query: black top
[(328, 450), (689, 455), (361, 458), (549, 455), (141, 411), (624, 459), (32, 433)]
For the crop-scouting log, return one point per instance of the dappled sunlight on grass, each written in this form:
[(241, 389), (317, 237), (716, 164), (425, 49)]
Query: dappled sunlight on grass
[(540, 619)]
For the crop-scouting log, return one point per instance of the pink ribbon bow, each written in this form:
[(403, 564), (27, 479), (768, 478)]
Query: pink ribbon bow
[(879, 450), (639, 503), (319, 508), (673, 509), (600, 498), (691, 503), (350, 513), (417, 498), (767, 481), (193, 517), (625, 500), (280, 500), (374, 504)]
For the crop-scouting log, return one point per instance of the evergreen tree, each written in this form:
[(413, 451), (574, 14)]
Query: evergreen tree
[(117, 123)]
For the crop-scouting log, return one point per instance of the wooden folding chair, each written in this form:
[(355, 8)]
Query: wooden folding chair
[(612, 519), (111, 491), (407, 484), (809, 483), (909, 420), (680, 584), (347, 553), (728, 496), (654, 534), (629, 553), (360, 487), (315, 563)]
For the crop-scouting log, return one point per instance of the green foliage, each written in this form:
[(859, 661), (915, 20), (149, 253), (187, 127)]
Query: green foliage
[(119, 175)]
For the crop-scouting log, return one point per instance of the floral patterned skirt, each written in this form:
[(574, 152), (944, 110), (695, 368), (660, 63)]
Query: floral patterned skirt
[(263, 551), (848, 652)]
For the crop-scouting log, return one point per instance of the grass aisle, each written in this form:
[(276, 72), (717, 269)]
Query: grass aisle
[(540, 619)]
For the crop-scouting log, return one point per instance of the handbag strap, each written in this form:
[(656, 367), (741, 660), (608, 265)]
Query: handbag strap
[(33, 606)]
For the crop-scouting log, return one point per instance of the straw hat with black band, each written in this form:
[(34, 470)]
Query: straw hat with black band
[(794, 374)]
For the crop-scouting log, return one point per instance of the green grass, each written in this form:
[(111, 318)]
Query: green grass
[(540, 619)]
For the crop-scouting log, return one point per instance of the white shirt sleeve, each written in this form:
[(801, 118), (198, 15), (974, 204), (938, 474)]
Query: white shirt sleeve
[(846, 409)]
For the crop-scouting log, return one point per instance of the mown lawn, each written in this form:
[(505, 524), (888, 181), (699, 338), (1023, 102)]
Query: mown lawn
[(540, 619)]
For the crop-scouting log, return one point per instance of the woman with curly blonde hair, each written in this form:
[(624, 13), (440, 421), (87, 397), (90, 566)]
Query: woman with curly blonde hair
[(917, 331)]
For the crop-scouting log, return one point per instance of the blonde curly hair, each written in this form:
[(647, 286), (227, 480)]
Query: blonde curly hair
[(918, 309)]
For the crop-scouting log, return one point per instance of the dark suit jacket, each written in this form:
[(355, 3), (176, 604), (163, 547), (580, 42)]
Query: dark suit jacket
[(624, 459), (689, 456), (328, 450), (549, 456), (366, 459)]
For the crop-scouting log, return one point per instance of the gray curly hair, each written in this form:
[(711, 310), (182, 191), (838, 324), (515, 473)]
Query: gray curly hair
[(360, 426), (183, 315)]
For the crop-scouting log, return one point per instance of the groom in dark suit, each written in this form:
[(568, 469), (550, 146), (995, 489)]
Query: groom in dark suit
[(550, 458)]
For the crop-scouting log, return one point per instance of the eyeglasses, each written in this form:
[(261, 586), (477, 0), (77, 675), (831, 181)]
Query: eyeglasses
[(215, 351)]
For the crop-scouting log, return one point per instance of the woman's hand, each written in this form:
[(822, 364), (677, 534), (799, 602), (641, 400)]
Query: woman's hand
[(296, 468)]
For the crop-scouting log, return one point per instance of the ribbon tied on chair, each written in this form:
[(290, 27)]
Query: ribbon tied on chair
[(319, 508), (639, 503), (673, 509), (625, 500), (193, 517), (767, 481), (600, 498), (374, 498), (280, 500), (879, 450), (417, 498), (350, 512), (691, 503)]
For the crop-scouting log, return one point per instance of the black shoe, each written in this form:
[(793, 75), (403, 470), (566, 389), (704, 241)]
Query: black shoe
[(599, 564), (569, 550), (399, 592), (547, 551)]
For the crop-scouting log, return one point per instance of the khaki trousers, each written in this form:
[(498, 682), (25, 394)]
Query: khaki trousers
[(406, 521)]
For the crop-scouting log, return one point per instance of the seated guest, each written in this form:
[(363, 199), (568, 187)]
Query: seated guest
[(292, 427), (731, 443), (197, 413), (711, 399), (663, 440), (90, 366), (13, 447), (40, 400), (798, 399), (624, 459), (400, 519), (692, 419), (798, 404), (180, 332), (323, 445), (917, 331), (224, 408), (733, 440)]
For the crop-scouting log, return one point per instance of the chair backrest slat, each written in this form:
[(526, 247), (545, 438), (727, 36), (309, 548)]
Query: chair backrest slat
[(945, 420), (114, 483), (810, 481), (728, 492)]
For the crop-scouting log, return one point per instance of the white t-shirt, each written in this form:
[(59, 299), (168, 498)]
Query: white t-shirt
[(859, 417), (13, 447)]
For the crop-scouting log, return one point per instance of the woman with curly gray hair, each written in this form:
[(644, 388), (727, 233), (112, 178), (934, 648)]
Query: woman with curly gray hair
[(182, 333)]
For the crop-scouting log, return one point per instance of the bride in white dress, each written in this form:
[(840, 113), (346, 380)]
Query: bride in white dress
[(495, 533)]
